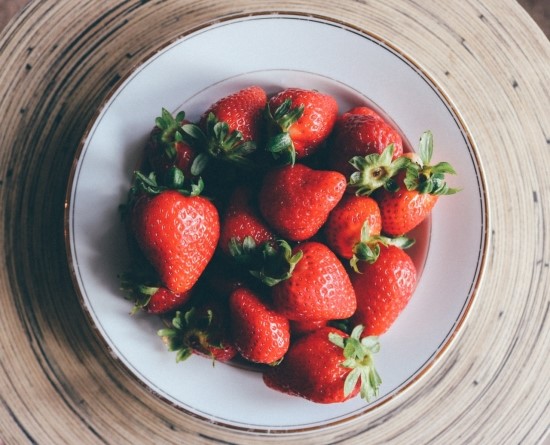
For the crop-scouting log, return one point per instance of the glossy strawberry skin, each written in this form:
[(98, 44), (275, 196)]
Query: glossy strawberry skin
[(383, 289), (164, 301), (312, 369), (242, 111), (178, 235), (343, 227), (360, 134), (319, 288), (260, 334), (159, 160), (241, 219), (296, 200), (316, 122), (404, 209)]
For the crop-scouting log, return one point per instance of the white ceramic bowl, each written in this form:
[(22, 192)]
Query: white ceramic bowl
[(274, 51)]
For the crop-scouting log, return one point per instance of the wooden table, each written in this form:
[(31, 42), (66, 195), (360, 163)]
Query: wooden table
[(59, 60)]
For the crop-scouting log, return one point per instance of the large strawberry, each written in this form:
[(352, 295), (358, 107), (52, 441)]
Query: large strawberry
[(383, 289), (296, 200), (360, 134), (169, 145), (201, 330), (319, 287), (301, 120), (231, 127), (178, 231), (260, 334), (405, 208), (328, 366), (242, 219)]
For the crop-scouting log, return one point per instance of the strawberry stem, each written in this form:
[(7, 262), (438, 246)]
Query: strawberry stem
[(280, 143)]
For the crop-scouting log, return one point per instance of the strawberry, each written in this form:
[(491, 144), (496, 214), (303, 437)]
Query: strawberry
[(360, 134), (260, 334), (242, 219), (301, 120), (353, 230), (296, 200), (383, 289), (319, 287), (404, 209), (231, 127), (177, 231), (328, 366), (301, 328), (345, 222), (169, 145), (155, 299), (201, 330)]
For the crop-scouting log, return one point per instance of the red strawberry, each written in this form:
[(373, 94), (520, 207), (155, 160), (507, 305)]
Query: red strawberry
[(404, 209), (242, 219), (177, 232), (328, 366), (200, 330), (383, 289), (155, 299), (360, 135), (168, 145), (319, 287), (345, 223), (301, 121), (296, 200), (260, 334), (232, 126)]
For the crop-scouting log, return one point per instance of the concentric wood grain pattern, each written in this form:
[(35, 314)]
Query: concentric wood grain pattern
[(58, 61)]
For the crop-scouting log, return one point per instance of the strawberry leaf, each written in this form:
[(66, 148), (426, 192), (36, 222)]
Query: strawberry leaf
[(358, 357), (376, 171)]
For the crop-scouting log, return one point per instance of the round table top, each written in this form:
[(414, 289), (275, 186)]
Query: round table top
[(59, 61)]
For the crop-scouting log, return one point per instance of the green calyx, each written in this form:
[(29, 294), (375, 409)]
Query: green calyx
[(188, 332), (271, 263), (280, 143), (424, 177), (376, 171), (139, 292), (171, 132), (368, 248), (173, 180), (358, 357), (220, 143)]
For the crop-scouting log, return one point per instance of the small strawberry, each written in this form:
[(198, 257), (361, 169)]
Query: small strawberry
[(360, 134), (301, 328), (383, 289), (328, 366), (169, 145), (353, 230), (301, 120), (242, 219), (260, 334), (201, 330), (319, 287), (231, 127), (153, 299), (404, 209), (345, 222), (296, 200), (177, 231)]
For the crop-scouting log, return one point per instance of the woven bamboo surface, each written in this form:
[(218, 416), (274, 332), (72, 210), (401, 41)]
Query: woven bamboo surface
[(58, 61)]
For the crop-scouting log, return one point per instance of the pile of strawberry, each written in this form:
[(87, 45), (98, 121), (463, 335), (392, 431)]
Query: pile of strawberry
[(273, 231)]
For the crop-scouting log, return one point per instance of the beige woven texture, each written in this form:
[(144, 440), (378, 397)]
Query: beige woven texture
[(59, 59)]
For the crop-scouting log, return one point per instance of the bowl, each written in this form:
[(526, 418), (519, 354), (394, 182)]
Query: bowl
[(273, 50)]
